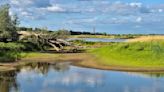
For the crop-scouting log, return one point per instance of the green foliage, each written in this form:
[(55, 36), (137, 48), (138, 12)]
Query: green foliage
[(7, 24), (83, 42), (61, 34), (11, 46), (29, 46), (9, 56), (10, 52), (133, 54)]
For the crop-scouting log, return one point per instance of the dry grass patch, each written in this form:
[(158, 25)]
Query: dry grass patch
[(146, 38)]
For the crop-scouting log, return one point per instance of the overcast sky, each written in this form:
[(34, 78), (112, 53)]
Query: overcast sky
[(111, 16)]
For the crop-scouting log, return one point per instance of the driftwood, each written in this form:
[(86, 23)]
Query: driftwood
[(57, 44)]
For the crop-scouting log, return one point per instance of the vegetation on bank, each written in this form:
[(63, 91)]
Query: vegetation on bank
[(137, 54), (13, 41), (91, 36), (89, 45), (116, 36), (10, 52)]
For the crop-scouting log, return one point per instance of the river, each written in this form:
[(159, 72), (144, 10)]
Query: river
[(99, 39), (63, 77)]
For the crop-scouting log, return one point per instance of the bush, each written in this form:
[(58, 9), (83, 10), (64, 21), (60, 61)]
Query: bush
[(82, 42), (11, 46), (29, 46), (10, 52)]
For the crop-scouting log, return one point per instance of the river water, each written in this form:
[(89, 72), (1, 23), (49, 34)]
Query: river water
[(63, 77), (100, 39)]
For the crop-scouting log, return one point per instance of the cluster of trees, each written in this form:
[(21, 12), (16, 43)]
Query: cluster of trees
[(86, 33), (33, 39), (8, 33), (8, 24)]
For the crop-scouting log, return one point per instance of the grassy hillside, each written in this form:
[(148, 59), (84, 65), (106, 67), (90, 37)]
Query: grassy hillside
[(136, 54)]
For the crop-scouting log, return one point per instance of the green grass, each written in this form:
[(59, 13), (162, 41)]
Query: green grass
[(38, 55), (138, 54), (11, 46)]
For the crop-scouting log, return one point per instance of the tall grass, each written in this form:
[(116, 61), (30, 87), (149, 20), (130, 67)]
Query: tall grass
[(149, 54)]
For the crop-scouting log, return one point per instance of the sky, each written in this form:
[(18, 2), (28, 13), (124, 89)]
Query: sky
[(110, 16)]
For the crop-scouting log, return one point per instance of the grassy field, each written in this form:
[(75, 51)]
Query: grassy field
[(146, 38), (136, 54)]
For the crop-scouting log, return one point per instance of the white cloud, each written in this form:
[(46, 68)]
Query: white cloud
[(139, 19), (24, 13), (21, 2), (75, 78), (54, 8), (15, 2), (104, 10), (160, 10), (134, 4)]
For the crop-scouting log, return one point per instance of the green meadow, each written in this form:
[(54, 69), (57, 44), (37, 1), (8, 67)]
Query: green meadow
[(134, 54)]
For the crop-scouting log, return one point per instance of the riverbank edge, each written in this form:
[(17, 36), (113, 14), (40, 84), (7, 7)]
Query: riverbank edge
[(86, 60)]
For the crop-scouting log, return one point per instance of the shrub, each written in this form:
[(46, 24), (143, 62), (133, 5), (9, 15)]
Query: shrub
[(10, 52)]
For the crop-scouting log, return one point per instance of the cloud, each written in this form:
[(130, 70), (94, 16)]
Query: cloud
[(53, 8), (134, 4), (89, 12), (74, 78), (139, 19), (160, 10), (34, 3)]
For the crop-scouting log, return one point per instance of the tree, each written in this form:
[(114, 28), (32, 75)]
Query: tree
[(7, 24)]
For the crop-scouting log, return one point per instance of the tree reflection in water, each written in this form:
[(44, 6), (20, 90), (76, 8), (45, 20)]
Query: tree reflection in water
[(148, 74), (8, 79)]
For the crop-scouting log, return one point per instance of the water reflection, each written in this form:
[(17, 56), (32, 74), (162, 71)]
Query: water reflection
[(147, 74), (62, 77), (8, 81)]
